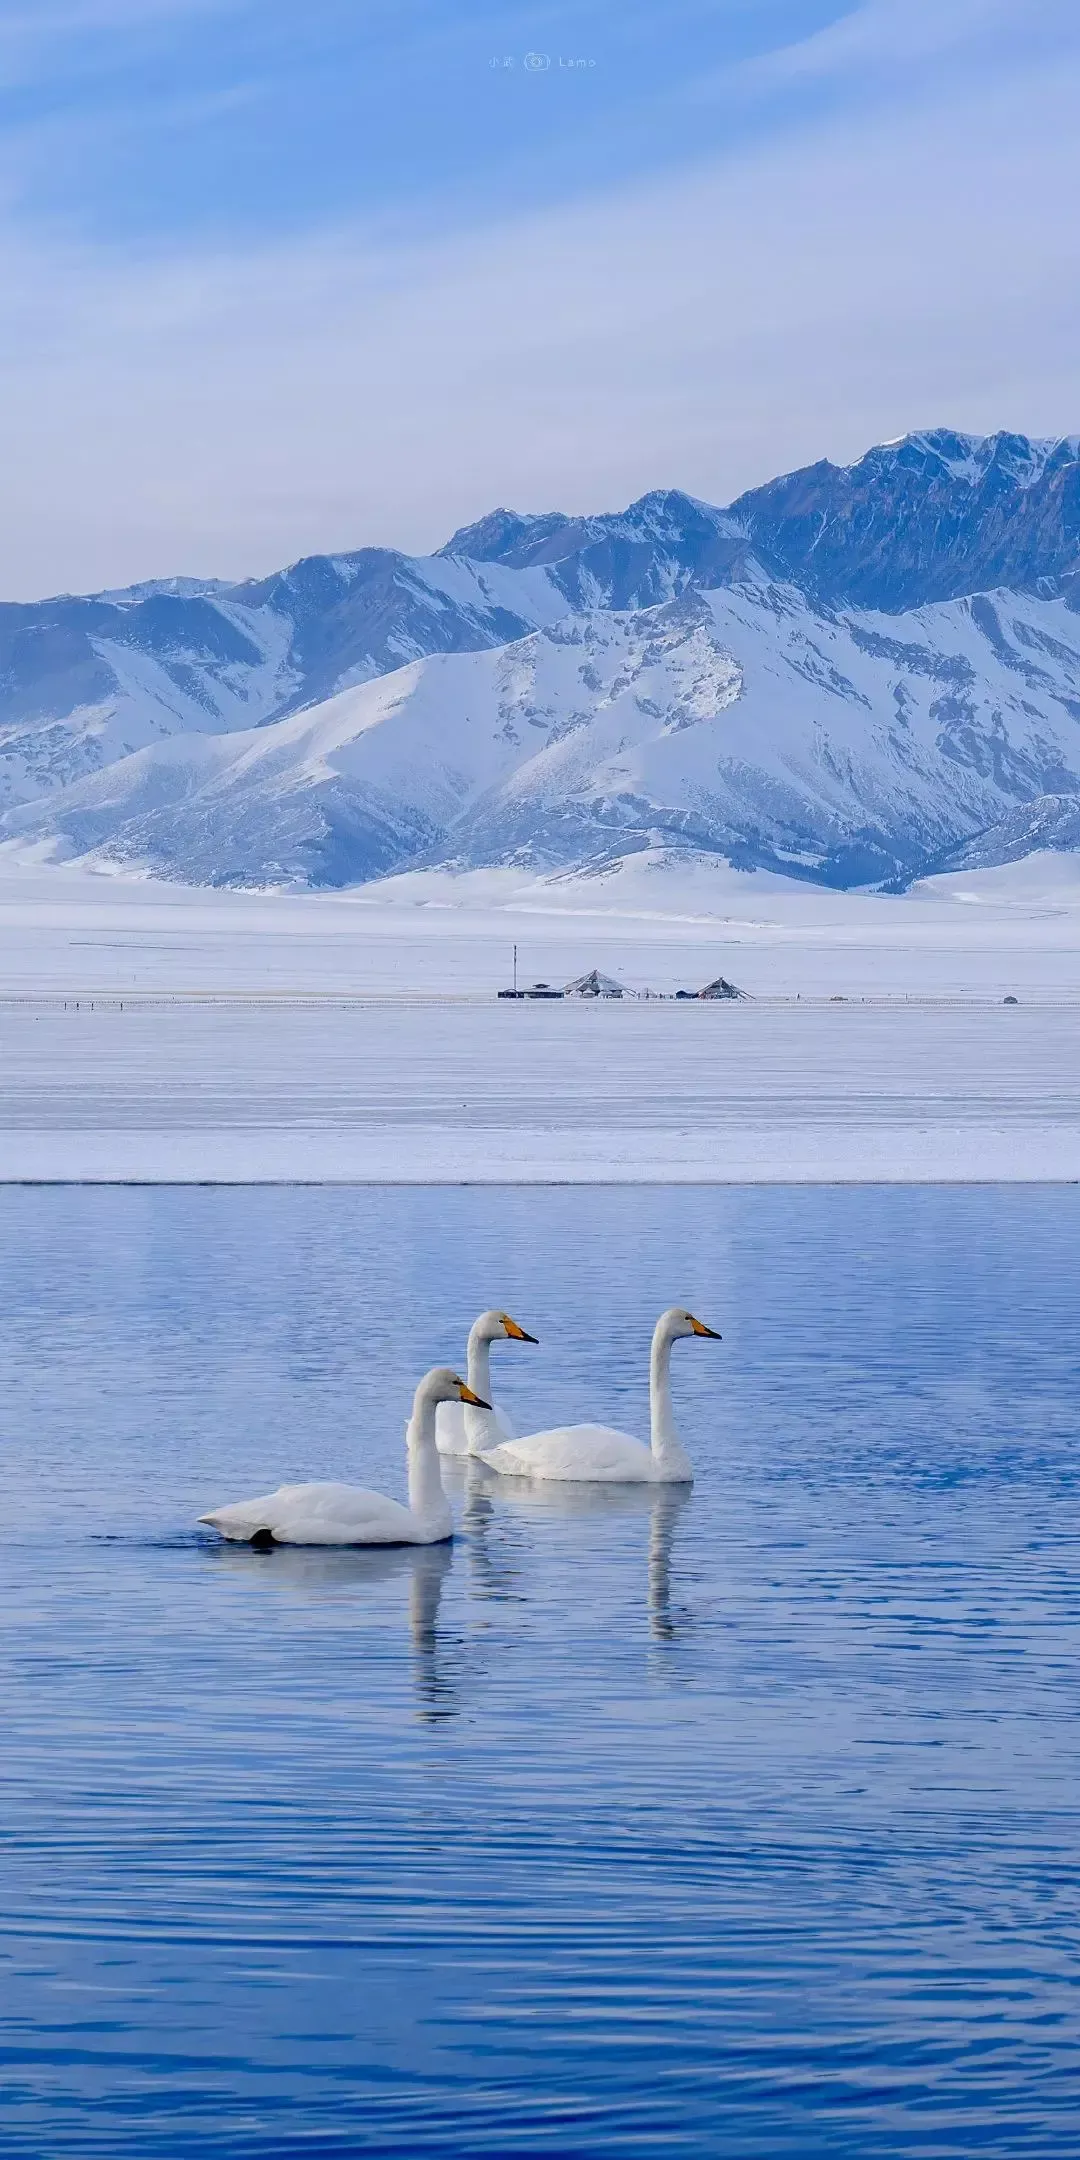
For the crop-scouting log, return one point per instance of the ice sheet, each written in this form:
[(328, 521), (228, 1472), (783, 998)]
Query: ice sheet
[(475, 1091), (153, 1032)]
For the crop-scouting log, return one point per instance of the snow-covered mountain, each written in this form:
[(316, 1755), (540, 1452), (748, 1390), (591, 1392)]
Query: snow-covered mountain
[(933, 517), (853, 675), (83, 682), (1048, 825)]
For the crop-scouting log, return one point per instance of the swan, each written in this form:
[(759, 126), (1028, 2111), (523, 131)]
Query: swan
[(596, 1454), (349, 1515), (459, 1431)]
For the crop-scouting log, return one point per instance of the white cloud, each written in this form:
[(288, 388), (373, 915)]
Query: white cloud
[(29, 35), (783, 303), (903, 33), (48, 17)]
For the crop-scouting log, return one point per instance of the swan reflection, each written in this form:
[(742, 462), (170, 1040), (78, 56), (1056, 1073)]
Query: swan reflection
[(497, 1562), (428, 1568), (488, 1501), (667, 1508), (321, 1574)]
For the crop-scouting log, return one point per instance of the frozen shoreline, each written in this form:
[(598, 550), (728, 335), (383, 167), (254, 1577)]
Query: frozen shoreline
[(462, 1093), (346, 1038)]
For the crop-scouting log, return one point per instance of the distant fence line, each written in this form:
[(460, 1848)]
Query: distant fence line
[(351, 1001)]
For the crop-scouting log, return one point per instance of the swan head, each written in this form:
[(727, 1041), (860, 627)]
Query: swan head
[(442, 1384), (498, 1327), (677, 1321)]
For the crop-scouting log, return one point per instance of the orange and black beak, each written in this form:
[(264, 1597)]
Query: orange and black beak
[(700, 1328), (467, 1395), (516, 1333)]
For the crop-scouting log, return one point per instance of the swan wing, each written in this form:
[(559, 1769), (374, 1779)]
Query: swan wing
[(245, 1518), (450, 1435), (450, 1429), (322, 1514), (581, 1454)]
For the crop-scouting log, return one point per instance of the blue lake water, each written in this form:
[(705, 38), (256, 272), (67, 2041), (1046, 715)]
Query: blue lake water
[(744, 1823)]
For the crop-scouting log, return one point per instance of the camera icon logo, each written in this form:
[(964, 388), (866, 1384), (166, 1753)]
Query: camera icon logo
[(537, 62)]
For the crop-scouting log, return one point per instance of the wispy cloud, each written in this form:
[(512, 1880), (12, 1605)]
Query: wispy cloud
[(48, 18), (59, 42), (903, 33), (226, 410), (881, 51)]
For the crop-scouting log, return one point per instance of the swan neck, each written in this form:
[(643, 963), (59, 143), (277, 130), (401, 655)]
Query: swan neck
[(427, 1499), (668, 1451), (479, 1424)]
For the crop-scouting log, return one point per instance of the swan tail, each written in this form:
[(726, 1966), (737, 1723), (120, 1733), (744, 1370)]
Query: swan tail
[(240, 1521)]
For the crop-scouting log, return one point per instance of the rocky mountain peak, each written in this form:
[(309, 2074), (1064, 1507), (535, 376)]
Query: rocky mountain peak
[(932, 517)]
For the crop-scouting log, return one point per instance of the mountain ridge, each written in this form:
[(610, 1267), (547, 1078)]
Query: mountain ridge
[(904, 633)]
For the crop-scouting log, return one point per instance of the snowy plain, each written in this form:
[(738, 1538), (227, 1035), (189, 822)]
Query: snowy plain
[(151, 1032)]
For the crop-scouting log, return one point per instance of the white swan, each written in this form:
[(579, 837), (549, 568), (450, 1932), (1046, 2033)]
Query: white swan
[(596, 1454), (349, 1515), (461, 1431)]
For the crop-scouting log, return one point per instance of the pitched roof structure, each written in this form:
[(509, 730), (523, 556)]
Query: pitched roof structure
[(595, 985)]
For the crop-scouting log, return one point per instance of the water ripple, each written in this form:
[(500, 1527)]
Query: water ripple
[(630, 1824)]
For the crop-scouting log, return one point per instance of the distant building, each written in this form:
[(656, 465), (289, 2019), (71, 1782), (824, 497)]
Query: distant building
[(594, 985), (722, 988)]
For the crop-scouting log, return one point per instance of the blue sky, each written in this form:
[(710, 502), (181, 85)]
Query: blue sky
[(283, 277), (167, 121)]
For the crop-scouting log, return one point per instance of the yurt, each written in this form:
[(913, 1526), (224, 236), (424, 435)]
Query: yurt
[(594, 985)]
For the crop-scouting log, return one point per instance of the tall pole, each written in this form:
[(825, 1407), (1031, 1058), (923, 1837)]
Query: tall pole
[(515, 970)]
